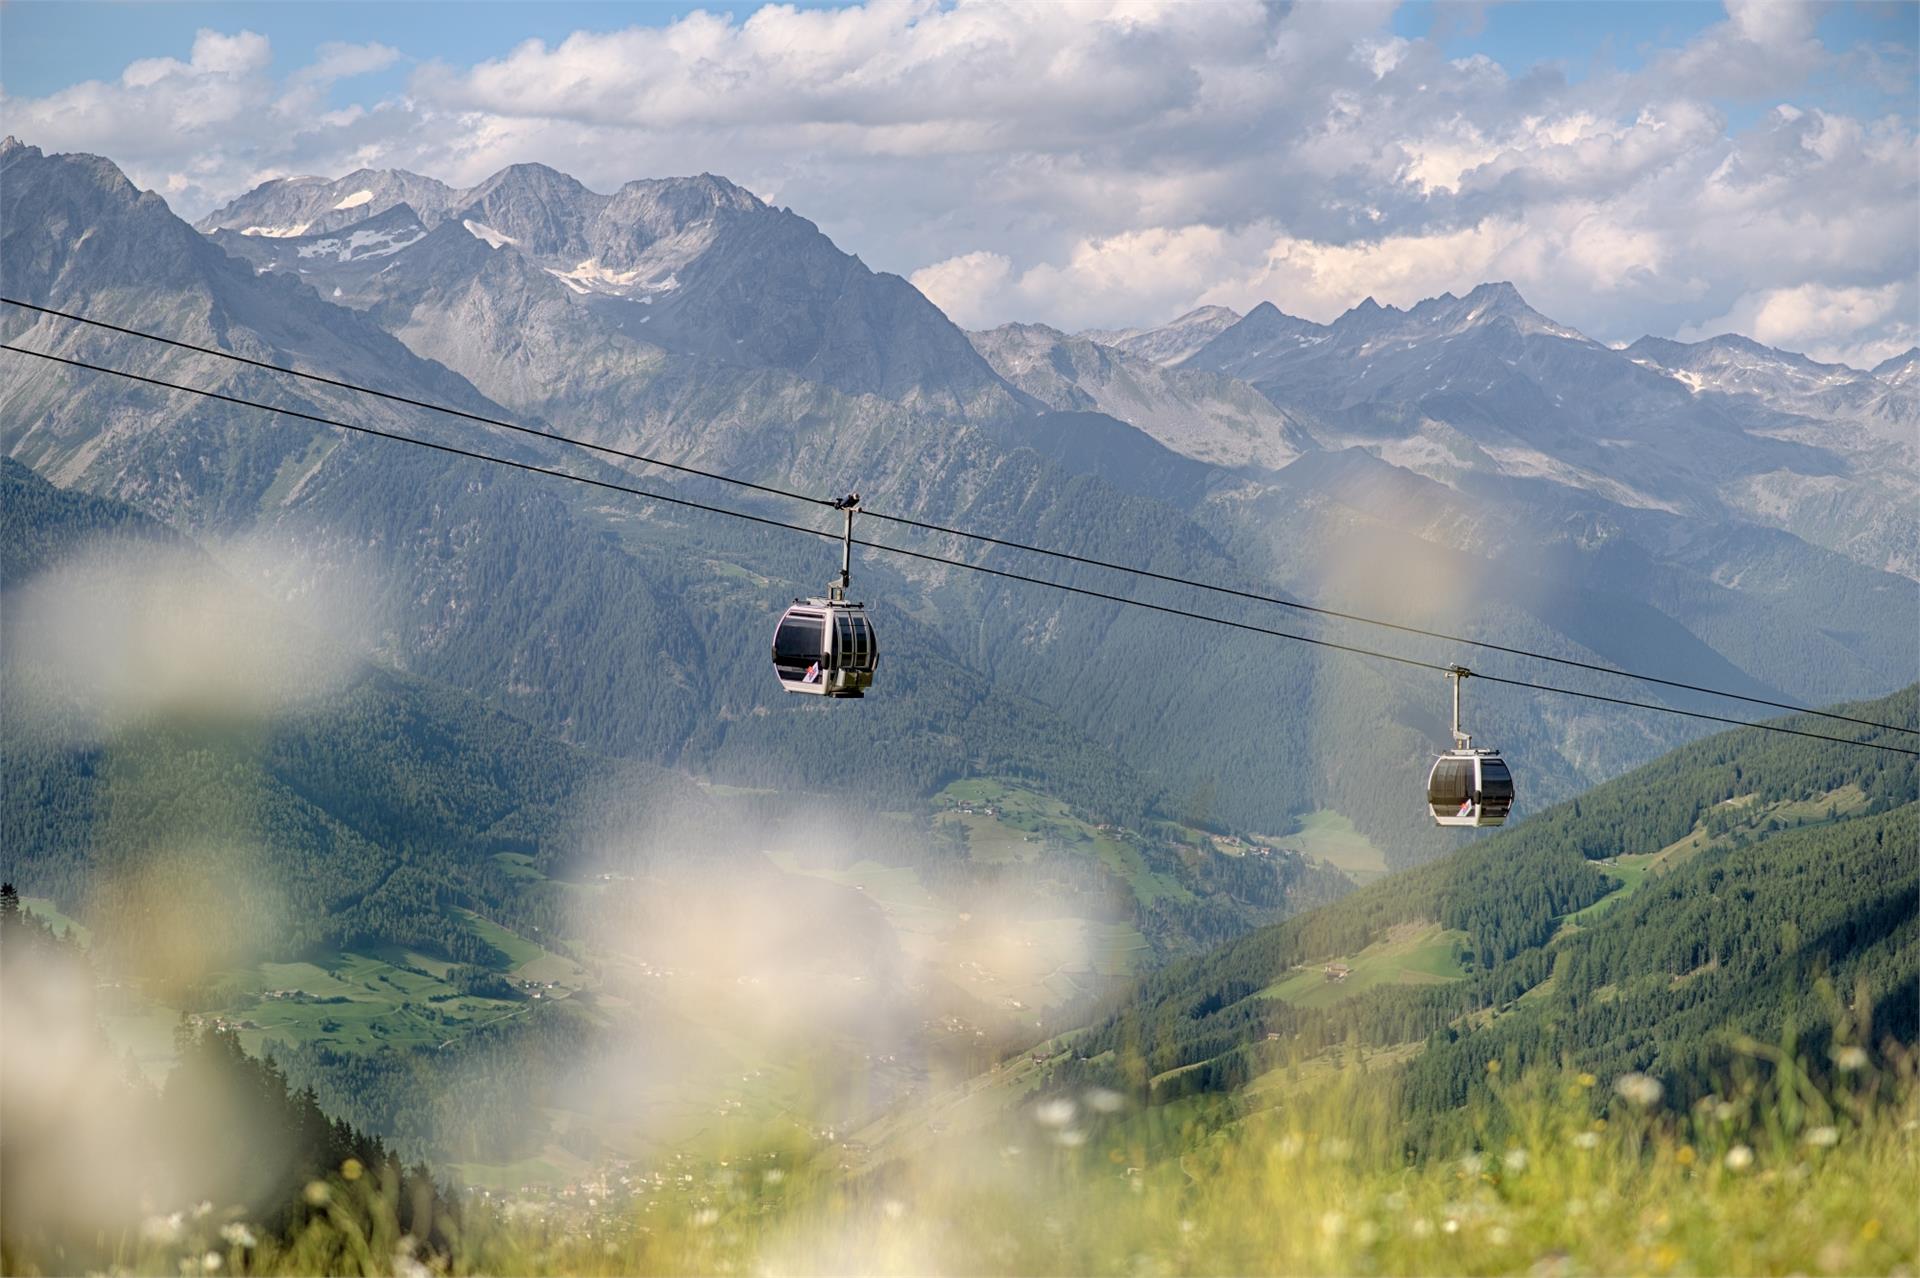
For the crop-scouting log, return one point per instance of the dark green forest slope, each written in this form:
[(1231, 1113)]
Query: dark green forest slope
[(367, 816), (1751, 883)]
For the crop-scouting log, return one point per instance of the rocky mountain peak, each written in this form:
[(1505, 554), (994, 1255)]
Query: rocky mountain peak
[(294, 206), (1170, 343), (1902, 369), (705, 192), (659, 208), (528, 179)]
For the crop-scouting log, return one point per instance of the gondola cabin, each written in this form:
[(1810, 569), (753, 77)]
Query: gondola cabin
[(1470, 788), (825, 647)]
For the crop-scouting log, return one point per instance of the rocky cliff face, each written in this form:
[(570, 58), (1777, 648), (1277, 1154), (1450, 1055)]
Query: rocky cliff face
[(1170, 343), (1207, 416)]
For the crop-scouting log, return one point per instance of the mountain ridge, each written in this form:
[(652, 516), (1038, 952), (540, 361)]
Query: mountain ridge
[(637, 613)]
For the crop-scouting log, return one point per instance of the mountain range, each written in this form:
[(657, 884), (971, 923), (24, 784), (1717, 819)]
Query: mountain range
[(1467, 465), (521, 763)]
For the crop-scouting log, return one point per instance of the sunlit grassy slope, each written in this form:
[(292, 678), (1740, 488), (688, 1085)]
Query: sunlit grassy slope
[(1331, 837), (1005, 822), (1410, 954), (1632, 928), (1567, 1175)]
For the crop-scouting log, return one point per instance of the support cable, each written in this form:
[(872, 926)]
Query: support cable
[(469, 454)]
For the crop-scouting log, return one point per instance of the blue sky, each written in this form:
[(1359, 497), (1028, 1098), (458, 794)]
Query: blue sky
[(52, 43), (1676, 168)]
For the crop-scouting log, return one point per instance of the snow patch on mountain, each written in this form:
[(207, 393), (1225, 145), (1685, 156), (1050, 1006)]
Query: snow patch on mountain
[(277, 232), (481, 231), (363, 244), (354, 201)]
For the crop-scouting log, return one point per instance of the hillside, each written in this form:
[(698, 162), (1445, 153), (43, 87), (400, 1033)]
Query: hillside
[(385, 882), (1717, 891)]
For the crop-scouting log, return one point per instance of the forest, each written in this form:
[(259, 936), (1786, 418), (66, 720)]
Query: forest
[(1786, 901)]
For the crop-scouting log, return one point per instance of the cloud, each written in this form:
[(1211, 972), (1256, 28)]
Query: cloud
[(1114, 161), (969, 288), (1823, 321)]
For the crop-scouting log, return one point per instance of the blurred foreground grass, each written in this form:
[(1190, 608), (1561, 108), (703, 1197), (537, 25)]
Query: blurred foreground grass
[(1778, 1173)]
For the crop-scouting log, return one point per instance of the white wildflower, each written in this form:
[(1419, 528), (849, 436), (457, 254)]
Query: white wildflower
[(1822, 1137), (894, 1208), (705, 1217), (1642, 1089), (1333, 1224), (1452, 1225), (1587, 1140), (210, 1261), (317, 1193), (1072, 1138), (1472, 1164), (1422, 1228), (1499, 1235), (162, 1229), (1739, 1158), (238, 1235), (773, 1175), (1851, 1058), (1725, 1111), (1516, 1159), (1054, 1113)]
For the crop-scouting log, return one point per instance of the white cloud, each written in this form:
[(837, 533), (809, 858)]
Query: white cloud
[(1822, 320), (969, 288), (1111, 162)]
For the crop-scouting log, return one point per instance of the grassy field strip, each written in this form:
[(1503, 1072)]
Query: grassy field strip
[(1845, 801), (45, 910), (1630, 870), (1329, 836), (1410, 954), (525, 960), (1020, 815)]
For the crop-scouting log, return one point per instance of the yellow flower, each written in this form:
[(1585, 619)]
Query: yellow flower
[(351, 1169), (1493, 1066), (1684, 1156), (1588, 1080)]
